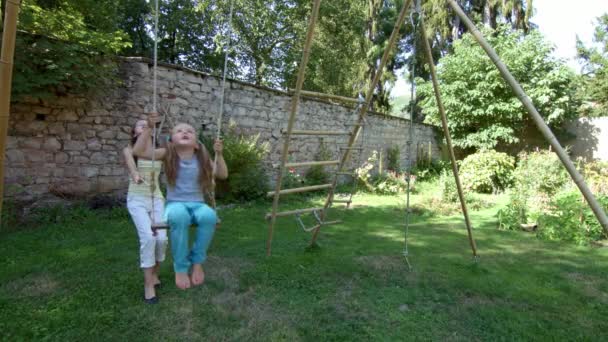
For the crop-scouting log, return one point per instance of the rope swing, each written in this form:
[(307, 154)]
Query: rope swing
[(218, 133), (155, 224), (415, 19)]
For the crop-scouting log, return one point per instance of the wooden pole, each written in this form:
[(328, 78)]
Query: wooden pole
[(448, 138), (363, 111), (540, 123), (327, 96), (292, 115), (6, 76)]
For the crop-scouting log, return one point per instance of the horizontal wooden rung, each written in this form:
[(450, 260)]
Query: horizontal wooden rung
[(293, 212), (326, 223), (313, 163), (342, 201), (308, 132), (302, 189)]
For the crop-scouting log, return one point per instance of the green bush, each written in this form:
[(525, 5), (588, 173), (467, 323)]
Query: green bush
[(317, 174), (487, 171), (569, 218), (363, 172), (540, 172), (596, 176), (244, 154), (426, 171), (538, 176), (392, 159), (390, 183), (447, 186)]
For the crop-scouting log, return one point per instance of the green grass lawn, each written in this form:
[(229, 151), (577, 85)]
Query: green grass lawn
[(79, 280)]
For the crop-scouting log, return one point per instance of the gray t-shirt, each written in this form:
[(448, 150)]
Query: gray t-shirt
[(186, 187)]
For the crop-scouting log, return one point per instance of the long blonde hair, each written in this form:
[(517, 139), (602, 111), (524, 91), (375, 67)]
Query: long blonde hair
[(205, 175)]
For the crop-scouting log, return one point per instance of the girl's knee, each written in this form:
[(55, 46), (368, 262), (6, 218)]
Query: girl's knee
[(205, 216), (177, 214)]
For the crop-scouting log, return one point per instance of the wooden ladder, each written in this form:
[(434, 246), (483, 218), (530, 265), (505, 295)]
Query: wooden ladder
[(320, 213)]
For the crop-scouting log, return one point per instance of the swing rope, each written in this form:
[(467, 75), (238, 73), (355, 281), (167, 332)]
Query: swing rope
[(155, 225), (415, 19), (218, 133)]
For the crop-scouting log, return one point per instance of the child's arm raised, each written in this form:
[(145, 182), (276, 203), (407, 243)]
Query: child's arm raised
[(127, 153), (142, 147), (220, 170)]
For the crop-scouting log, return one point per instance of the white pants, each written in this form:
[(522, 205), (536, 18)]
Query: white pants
[(152, 247)]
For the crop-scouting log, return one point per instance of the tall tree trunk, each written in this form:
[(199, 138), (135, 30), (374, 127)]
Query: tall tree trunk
[(173, 55), (372, 32), (259, 69), (455, 28), (489, 14)]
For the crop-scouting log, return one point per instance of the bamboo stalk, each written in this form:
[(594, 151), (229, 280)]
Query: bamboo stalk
[(444, 122), (292, 115), (298, 190), (538, 120), (308, 132), (6, 76), (293, 212), (326, 96), (363, 110)]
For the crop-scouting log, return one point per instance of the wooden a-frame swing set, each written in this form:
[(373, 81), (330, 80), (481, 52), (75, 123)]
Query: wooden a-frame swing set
[(6, 69), (418, 21)]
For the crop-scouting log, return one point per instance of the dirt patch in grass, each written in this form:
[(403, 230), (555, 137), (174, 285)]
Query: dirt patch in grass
[(33, 285), (589, 285), (346, 304), (226, 271), (256, 317), (383, 263)]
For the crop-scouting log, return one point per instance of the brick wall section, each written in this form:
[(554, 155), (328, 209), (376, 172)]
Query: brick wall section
[(70, 145)]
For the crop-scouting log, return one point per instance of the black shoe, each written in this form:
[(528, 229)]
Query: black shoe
[(153, 300)]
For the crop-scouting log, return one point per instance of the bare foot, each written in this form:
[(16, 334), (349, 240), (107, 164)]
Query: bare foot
[(198, 275), (182, 280)]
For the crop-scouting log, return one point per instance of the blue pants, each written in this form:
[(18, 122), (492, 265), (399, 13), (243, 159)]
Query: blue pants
[(179, 216)]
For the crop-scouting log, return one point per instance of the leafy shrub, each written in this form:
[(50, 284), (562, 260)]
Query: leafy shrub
[(596, 176), (569, 218), (317, 174), (541, 172), (291, 179), (487, 171), (426, 171), (538, 176), (363, 172), (392, 159), (447, 187), (243, 154), (390, 183)]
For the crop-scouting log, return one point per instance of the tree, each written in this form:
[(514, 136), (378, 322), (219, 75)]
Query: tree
[(482, 110), (594, 79), (337, 62), (58, 50), (267, 38)]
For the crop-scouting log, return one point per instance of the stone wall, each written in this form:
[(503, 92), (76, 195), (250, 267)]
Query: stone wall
[(70, 146)]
